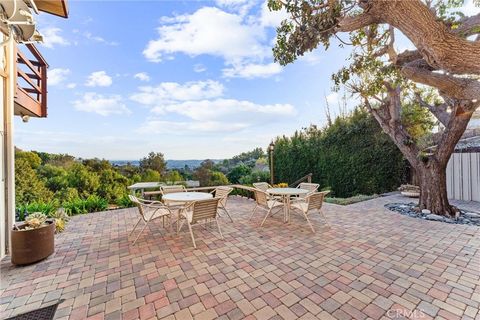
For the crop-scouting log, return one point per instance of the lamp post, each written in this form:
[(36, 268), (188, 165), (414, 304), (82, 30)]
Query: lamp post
[(271, 147)]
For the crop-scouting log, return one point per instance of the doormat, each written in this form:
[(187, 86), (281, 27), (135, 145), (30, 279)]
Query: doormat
[(46, 313)]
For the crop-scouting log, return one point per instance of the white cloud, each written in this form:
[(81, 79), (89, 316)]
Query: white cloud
[(101, 104), (250, 71), (142, 76), (229, 110), (71, 85), (99, 39), (332, 98), (208, 31), (166, 92), (199, 68), (52, 37), (233, 31), (154, 126), (240, 6), (198, 106), (57, 76), (470, 9), (99, 79), (271, 18)]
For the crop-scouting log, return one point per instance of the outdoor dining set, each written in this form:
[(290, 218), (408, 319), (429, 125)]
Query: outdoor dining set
[(181, 207)]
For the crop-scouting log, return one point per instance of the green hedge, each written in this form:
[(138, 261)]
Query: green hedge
[(351, 156)]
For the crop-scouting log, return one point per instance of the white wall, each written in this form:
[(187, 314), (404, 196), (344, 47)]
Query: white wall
[(463, 176), (3, 208), (7, 174)]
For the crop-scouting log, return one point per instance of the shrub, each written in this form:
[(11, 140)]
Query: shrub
[(352, 156), (95, 203), (75, 206), (46, 208), (80, 206), (124, 202), (255, 176)]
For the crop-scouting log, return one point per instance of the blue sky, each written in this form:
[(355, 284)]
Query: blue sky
[(190, 79)]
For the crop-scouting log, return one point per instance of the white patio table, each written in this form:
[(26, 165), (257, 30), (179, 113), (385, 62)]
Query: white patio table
[(286, 194), (184, 198), (142, 186)]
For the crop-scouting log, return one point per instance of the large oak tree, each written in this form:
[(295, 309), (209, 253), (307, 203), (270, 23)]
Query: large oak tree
[(440, 75)]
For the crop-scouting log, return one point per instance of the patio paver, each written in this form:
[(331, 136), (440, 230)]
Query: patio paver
[(372, 263)]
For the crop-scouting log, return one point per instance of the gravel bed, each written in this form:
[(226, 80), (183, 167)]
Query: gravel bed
[(411, 210)]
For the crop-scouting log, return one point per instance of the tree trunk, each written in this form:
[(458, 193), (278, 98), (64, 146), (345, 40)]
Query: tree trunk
[(433, 189)]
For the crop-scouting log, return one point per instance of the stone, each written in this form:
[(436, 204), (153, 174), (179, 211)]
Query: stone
[(434, 217), (426, 211), (472, 215)]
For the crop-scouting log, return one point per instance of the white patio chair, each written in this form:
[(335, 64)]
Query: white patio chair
[(172, 189), (198, 213), (312, 202), (149, 211), (264, 186), (311, 187), (264, 201), (222, 194)]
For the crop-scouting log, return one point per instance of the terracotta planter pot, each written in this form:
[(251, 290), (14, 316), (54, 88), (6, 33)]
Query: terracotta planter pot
[(30, 246)]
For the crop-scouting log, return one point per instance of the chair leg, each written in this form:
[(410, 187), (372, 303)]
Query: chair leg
[(324, 217), (134, 227), (179, 226), (266, 216), (226, 211), (219, 230), (308, 220), (138, 236), (191, 234), (253, 212)]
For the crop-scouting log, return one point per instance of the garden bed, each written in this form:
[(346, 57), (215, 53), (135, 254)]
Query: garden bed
[(411, 210), (351, 200)]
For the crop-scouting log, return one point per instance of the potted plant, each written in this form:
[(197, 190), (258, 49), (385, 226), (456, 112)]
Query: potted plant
[(409, 190), (32, 239)]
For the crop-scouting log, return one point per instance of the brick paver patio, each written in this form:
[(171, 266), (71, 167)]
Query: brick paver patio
[(371, 264)]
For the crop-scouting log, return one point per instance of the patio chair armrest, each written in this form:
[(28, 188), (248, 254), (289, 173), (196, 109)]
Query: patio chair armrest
[(156, 206), (149, 201)]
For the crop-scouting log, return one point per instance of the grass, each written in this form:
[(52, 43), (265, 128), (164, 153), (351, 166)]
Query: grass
[(350, 200)]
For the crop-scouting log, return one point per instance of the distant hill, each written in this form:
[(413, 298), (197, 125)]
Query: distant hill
[(171, 164)]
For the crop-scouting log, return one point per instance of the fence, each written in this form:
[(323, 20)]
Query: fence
[(463, 176)]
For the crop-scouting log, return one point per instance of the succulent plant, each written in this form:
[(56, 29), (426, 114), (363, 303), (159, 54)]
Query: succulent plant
[(35, 220)]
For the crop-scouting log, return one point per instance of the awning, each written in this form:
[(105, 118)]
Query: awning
[(56, 7)]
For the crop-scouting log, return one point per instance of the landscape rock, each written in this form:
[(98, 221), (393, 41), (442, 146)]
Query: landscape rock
[(472, 215), (411, 210), (434, 217)]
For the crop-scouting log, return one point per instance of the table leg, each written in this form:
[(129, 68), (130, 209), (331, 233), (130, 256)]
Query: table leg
[(285, 212), (288, 209)]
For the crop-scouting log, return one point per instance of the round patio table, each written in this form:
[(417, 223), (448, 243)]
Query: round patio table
[(286, 194), (184, 198)]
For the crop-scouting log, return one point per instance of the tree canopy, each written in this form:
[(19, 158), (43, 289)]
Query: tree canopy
[(441, 75)]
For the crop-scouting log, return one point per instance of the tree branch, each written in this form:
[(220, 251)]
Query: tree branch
[(469, 26), (395, 131), (459, 88), (352, 23), (440, 112), (438, 45), (454, 130)]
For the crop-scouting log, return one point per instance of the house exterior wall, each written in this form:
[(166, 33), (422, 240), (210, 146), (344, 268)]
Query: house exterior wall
[(463, 176), (2, 156), (7, 174)]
